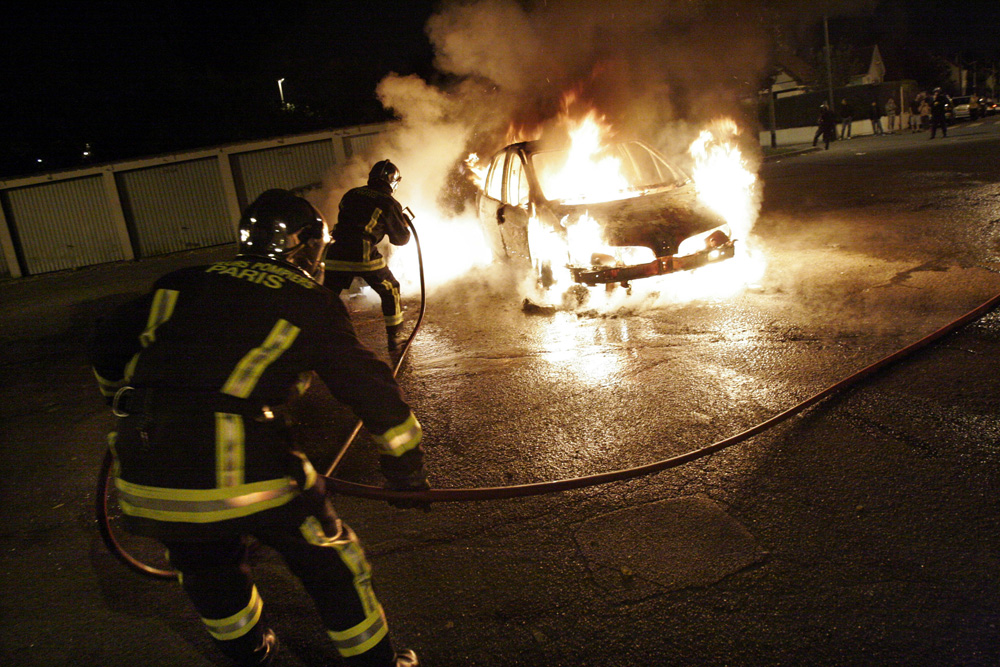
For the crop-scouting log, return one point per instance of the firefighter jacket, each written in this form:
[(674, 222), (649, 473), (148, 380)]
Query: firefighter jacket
[(366, 216), (200, 366)]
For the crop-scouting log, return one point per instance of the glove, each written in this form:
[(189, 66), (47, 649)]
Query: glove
[(400, 485)]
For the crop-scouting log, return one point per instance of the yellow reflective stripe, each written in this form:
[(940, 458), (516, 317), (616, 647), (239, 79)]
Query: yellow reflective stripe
[(229, 449), (130, 369), (108, 387), (115, 465), (397, 316), (344, 265), (366, 251), (310, 475), (400, 439), (362, 637), (203, 505), (163, 307), (246, 374), (350, 552), (312, 530), (240, 623), (369, 632), (307, 470)]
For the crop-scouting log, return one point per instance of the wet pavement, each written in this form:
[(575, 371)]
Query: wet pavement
[(864, 531)]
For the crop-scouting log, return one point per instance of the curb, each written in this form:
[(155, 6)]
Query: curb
[(800, 151)]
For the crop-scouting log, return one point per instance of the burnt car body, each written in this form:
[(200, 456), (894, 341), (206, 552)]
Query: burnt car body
[(658, 210)]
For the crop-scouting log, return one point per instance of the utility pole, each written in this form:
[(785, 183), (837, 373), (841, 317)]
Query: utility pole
[(829, 68), (770, 113)]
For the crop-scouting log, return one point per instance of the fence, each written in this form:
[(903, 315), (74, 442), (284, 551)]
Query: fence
[(155, 206)]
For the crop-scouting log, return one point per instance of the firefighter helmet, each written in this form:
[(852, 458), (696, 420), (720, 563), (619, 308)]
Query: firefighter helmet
[(386, 172), (283, 226)]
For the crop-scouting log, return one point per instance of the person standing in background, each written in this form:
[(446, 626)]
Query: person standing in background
[(890, 112), (846, 118)]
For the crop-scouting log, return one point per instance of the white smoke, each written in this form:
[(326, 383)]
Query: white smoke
[(657, 70)]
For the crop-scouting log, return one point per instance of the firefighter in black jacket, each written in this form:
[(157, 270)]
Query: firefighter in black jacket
[(197, 372), (367, 215)]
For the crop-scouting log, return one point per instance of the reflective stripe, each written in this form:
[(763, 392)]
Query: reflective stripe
[(343, 265), (116, 466), (350, 552), (397, 316), (307, 470), (108, 387), (163, 307), (366, 252), (130, 368), (400, 439), (229, 449), (373, 628), (362, 637), (203, 505), (240, 623), (246, 374)]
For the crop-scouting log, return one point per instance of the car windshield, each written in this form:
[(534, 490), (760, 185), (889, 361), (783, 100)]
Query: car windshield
[(621, 170)]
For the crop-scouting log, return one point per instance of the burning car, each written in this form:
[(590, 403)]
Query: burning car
[(601, 214)]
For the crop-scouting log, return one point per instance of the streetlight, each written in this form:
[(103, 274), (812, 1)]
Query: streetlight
[(281, 91)]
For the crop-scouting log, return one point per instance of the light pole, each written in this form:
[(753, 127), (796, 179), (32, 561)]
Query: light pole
[(829, 72), (281, 91)]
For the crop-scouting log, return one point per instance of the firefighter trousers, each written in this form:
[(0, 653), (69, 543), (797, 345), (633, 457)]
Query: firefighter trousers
[(380, 280), (321, 550)]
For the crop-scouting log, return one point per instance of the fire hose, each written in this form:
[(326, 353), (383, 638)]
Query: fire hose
[(346, 488)]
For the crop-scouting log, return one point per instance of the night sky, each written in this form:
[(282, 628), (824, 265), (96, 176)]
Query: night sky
[(142, 78), (138, 78)]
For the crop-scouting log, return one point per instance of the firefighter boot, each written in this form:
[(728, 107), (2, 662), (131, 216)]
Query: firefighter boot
[(407, 658), (394, 339)]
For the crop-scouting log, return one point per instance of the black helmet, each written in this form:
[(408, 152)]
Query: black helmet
[(386, 172), (285, 227)]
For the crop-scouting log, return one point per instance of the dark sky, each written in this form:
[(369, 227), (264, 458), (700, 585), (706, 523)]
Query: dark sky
[(153, 77), (139, 78)]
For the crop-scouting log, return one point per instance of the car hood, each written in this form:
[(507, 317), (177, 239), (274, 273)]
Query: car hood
[(658, 220)]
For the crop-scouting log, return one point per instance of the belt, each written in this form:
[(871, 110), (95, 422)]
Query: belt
[(163, 400)]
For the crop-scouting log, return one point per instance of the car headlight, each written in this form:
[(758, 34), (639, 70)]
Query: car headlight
[(713, 238)]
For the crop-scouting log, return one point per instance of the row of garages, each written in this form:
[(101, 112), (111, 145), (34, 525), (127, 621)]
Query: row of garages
[(144, 208)]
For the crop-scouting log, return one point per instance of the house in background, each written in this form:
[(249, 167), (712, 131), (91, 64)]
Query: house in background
[(875, 73)]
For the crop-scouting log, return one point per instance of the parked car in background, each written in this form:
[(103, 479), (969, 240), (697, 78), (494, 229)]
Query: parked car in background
[(960, 108)]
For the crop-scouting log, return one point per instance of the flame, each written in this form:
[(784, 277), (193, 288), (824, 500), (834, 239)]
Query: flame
[(588, 172), (721, 177), (727, 186), (476, 170)]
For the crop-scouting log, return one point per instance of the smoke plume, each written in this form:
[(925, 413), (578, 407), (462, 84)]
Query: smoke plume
[(658, 71)]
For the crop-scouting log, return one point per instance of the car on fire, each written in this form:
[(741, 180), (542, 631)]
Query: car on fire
[(651, 223)]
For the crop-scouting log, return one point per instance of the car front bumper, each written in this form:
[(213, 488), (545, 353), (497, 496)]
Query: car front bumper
[(602, 275)]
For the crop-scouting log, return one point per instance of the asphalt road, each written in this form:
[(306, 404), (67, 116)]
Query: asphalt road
[(863, 532)]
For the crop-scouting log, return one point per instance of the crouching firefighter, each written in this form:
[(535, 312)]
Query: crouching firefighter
[(197, 371), (368, 214)]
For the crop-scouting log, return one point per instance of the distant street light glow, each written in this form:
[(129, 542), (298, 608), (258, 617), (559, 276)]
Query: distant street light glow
[(281, 91)]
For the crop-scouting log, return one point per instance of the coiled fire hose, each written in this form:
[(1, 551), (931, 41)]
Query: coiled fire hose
[(335, 485)]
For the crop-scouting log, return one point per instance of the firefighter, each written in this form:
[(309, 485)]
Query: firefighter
[(198, 372), (367, 215)]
